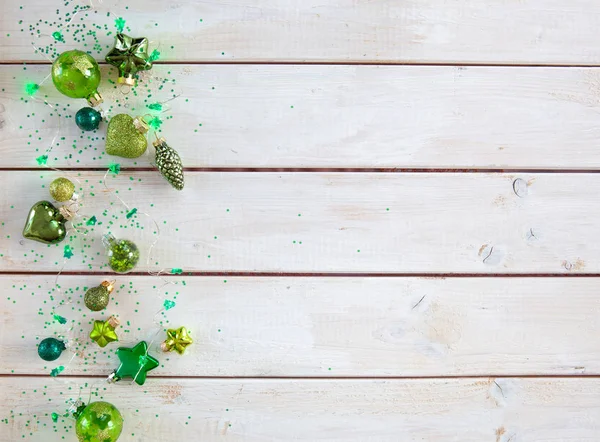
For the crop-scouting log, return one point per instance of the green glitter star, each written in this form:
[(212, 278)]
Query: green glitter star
[(155, 106), (42, 160), (155, 123), (168, 304), (60, 319), (57, 36), (176, 271), (56, 371), (67, 252), (92, 221), (120, 24), (114, 168), (131, 213), (54, 417), (31, 88), (155, 55)]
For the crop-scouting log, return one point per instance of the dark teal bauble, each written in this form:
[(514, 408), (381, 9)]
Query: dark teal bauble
[(50, 349), (87, 118)]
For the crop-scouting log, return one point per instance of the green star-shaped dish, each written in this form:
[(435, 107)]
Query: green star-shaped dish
[(103, 333), (129, 55), (135, 363)]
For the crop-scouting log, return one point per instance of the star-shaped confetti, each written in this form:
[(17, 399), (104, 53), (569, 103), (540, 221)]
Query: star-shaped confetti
[(129, 55), (177, 339), (103, 333), (67, 252), (114, 168), (135, 363), (168, 304)]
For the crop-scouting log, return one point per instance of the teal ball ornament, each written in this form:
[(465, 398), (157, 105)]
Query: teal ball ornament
[(50, 349), (88, 118)]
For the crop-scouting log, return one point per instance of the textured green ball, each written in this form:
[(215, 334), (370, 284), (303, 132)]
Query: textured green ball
[(97, 298), (62, 189), (88, 118), (99, 422), (50, 349), (123, 255)]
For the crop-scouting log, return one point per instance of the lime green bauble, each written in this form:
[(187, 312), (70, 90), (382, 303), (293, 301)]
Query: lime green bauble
[(77, 75), (99, 422), (62, 189)]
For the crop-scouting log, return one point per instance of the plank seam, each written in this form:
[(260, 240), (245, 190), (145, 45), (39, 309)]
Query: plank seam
[(419, 170), (320, 378)]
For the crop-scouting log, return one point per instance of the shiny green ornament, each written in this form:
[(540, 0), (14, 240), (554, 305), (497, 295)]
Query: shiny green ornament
[(169, 163), (135, 363), (99, 422), (77, 75), (103, 332), (45, 224), (96, 298), (88, 118), (62, 189), (125, 136), (50, 349), (129, 55), (123, 255)]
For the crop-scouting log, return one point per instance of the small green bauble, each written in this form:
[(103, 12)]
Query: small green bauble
[(99, 422), (62, 189), (45, 224), (77, 75), (96, 298), (123, 255), (50, 349), (87, 118), (125, 136)]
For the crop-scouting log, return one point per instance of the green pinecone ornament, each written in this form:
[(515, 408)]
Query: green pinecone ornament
[(169, 163)]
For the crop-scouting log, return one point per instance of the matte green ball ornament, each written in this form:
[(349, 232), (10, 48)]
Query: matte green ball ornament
[(45, 223), (62, 189), (99, 422), (77, 75), (50, 349), (97, 298), (123, 255), (88, 118), (125, 136)]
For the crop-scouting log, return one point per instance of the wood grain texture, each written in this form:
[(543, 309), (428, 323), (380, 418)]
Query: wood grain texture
[(328, 116), (414, 31), (494, 409), (301, 327), (322, 222)]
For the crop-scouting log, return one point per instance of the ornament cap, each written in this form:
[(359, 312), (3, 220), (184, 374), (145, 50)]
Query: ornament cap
[(95, 99), (109, 285), (140, 125), (128, 80), (66, 213), (113, 321), (159, 141), (165, 347)]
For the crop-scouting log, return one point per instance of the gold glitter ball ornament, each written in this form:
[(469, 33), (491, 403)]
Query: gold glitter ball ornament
[(62, 189), (125, 136)]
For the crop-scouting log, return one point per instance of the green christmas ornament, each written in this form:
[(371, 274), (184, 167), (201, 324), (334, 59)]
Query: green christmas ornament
[(96, 298), (135, 363), (168, 163), (125, 136), (88, 118), (98, 422), (77, 75), (50, 349), (123, 255), (45, 223), (62, 189), (129, 55)]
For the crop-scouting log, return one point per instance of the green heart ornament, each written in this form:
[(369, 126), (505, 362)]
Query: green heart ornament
[(45, 224), (125, 136)]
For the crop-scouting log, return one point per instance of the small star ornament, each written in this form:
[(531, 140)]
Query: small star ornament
[(103, 332), (129, 55), (135, 363), (177, 339)]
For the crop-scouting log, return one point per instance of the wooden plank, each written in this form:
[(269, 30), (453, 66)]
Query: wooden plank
[(316, 326), (328, 116), (436, 31), (498, 409), (322, 222)]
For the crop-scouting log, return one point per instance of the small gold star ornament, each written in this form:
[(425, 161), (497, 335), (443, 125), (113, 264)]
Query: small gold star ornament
[(177, 339)]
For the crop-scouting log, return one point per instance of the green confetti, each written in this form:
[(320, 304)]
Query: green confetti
[(92, 221), (176, 271), (131, 213), (155, 106), (67, 252), (42, 160), (114, 168), (56, 371), (155, 123), (60, 319), (120, 24), (31, 88), (154, 55), (168, 304)]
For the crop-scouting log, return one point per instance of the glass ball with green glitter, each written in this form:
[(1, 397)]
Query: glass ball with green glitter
[(123, 255), (99, 422), (50, 349), (62, 189), (88, 118), (76, 74)]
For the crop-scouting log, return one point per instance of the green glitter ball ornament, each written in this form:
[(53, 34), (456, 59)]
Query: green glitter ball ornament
[(77, 75), (96, 298), (62, 189), (99, 422), (88, 119), (50, 349), (123, 255)]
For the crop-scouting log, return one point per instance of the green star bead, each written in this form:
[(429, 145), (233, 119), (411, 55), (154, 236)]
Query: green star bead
[(135, 363), (129, 55)]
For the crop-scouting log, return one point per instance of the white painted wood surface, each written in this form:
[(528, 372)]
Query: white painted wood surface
[(494, 409), (329, 116), (411, 31), (306, 326)]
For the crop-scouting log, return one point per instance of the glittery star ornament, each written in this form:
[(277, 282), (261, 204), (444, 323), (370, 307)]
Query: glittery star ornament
[(129, 55), (103, 332), (135, 363), (177, 339)]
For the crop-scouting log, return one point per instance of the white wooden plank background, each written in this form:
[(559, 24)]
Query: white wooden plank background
[(413, 31), (330, 116), (248, 326)]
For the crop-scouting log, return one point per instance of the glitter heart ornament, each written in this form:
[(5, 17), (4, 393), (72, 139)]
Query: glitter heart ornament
[(126, 136)]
